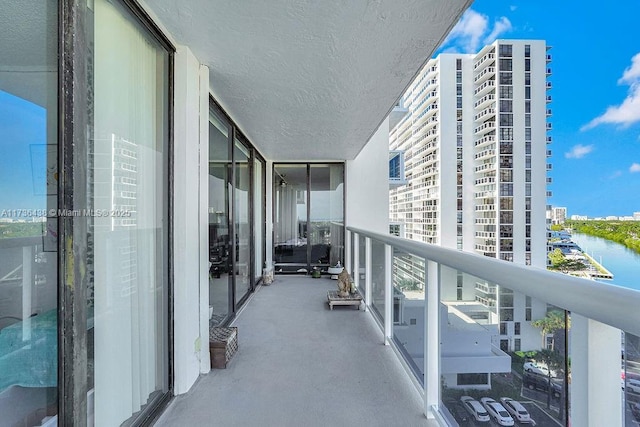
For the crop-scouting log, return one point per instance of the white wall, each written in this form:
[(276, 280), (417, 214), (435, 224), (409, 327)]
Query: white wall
[(191, 351), (367, 184)]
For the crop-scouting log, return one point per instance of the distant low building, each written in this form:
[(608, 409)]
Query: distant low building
[(579, 218)]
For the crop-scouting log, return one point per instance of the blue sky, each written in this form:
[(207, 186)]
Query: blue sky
[(596, 92), (22, 153)]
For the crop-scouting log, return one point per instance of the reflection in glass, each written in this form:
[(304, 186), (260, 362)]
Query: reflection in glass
[(28, 238), (409, 299), (362, 256), (128, 158), (290, 230), (377, 279), (317, 240), (219, 250), (482, 324), (631, 379), (241, 216), (326, 221)]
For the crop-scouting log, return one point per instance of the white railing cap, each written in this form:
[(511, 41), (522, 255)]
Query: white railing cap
[(610, 304)]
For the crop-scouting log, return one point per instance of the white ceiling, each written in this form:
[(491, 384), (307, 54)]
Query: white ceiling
[(305, 79)]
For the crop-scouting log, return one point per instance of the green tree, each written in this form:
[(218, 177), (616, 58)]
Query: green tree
[(552, 322), (561, 263)]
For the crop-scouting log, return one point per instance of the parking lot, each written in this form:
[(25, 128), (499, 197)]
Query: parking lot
[(537, 410)]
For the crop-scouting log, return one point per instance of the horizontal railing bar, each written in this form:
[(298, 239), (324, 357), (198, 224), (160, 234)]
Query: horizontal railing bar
[(610, 304)]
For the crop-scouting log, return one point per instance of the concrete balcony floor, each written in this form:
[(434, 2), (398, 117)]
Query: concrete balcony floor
[(300, 364)]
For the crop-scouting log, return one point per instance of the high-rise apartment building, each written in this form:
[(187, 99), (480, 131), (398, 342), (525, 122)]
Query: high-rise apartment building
[(558, 215), (474, 137)]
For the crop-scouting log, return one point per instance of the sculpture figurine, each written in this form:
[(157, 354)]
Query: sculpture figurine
[(344, 283)]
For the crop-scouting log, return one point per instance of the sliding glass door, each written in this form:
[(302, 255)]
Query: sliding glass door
[(220, 262), (28, 203), (308, 215), (242, 224), (128, 230), (236, 217)]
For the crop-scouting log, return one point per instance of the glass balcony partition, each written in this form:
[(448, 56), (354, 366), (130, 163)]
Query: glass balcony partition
[(525, 343)]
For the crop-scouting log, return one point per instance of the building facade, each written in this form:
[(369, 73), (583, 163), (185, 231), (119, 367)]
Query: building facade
[(475, 140)]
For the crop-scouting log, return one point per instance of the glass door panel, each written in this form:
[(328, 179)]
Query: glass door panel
[(258, 212), (219, 249), (290, 216), (326, 222), (128, 180), (28, 227), (242, 225)]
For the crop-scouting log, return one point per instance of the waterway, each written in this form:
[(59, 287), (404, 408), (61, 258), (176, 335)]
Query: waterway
[(623, 263)]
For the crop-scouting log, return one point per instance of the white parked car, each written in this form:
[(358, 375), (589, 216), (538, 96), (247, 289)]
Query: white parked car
[(517, 411), (474, 407), (537, 368), (633, 385), (497, 411)]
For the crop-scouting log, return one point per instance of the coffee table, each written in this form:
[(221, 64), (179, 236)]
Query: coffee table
[(335, 299)]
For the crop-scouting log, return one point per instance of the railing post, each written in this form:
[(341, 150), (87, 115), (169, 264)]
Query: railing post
[(347, 251), (432, 337), (367, 272), (356, 260), (595, 373), (388, 294)]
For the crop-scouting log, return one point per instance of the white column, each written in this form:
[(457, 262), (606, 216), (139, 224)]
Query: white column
[(596, 396), (205, 361), (432, 338), (187, 297), (388, 294)]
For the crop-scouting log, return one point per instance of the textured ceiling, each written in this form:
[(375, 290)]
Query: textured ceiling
[(309, 80), (28, 52)]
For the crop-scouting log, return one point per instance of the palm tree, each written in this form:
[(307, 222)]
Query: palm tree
[(552, 322)]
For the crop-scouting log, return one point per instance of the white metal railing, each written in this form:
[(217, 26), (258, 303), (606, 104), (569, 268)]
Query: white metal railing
[(598, 313)]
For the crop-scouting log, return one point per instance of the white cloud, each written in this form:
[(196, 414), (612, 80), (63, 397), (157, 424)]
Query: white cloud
[(615, 175), (628, 112), (472, 29), (634, 168), (631, 74), (513, 8), (578, 151), (502, 25), (468, 31)]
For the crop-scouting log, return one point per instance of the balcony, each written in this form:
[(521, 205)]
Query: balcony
[(485, 154), (490, 56), (485, 140), (484, 101), (485, 127), (303, 366), (484, 75), (485, 114), (484, 88)]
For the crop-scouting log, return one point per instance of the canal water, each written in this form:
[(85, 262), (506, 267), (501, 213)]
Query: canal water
[(623, 263)]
